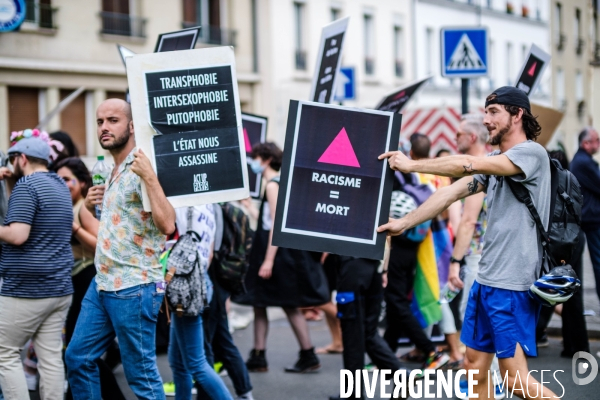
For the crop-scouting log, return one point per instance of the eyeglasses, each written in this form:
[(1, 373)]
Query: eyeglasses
[(13, 156)]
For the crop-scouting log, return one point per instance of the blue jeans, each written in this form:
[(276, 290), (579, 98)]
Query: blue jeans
[(219, 343), (187, 360), (130, 315), (593, 242)]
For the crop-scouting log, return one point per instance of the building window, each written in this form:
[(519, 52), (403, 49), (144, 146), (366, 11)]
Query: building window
[(561, 101), (369, 44), (117, 19), (335, 14), (509, 63), (579, 95), (207, 15), (398, 51), (428, 51), (40, 13), (23, 108), (559, 37), (579, 42), (299, 36), (72, 119)]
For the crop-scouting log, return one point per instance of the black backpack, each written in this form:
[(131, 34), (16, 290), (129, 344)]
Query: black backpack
[(231, 261), (560, 240)]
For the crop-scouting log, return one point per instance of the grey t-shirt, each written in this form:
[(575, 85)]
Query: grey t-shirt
[(511, 257)]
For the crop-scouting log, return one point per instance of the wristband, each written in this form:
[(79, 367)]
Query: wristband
[(454, 260)]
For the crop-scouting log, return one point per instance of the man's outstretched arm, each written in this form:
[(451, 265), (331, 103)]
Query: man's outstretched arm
[(438, 202), (455, 166)]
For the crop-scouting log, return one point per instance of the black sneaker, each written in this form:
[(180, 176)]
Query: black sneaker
[(307, 362), (257, 362)]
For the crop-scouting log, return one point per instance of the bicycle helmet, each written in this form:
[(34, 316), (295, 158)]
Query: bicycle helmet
[(401, 204), (557, 286)]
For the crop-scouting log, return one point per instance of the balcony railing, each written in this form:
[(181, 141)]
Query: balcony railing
[(213, 34), (123, 24), (596, 51), (40, 14), (301, 60), (369, 66)]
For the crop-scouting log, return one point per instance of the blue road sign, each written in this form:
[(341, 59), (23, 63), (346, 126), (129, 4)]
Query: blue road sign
[(346, 85), (464, 52)]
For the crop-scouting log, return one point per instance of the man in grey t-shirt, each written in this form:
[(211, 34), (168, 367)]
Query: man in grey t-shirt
[(500, 317)]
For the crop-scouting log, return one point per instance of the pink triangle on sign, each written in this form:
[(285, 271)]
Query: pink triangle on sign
[(532, 69), (247, 142), (340, 151)]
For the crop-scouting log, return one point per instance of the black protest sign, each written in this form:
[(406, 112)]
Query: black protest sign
[(180, 40), (396, 100), (328, 61), (198, 149), (255, 131), (531, 72), (334, 192)]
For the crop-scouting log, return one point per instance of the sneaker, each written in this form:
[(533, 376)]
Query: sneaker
[(245, 396), (436, 360), (543, 341), (169, 388), (31, 380)]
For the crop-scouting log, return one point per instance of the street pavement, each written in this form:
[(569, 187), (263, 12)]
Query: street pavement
[(282, 351)]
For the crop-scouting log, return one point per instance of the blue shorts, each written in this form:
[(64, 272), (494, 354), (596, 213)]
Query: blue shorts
[(497, 319)]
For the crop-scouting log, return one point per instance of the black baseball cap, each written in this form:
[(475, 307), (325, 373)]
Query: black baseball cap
[(510, 96)]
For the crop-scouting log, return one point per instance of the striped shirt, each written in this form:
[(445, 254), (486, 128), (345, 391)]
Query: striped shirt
[(40, 267)]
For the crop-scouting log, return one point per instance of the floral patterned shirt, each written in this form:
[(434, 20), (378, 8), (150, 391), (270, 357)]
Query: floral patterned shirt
[(129, 244)]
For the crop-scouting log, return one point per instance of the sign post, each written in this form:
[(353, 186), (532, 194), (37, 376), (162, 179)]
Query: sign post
[(186, 111), (346, 85), (464, 54), (334, 192), (328, 61)]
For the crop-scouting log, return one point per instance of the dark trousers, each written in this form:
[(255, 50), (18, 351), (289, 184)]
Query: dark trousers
[(574, 329), (359, 283), (398, 297), (593, 241), (219, 345)]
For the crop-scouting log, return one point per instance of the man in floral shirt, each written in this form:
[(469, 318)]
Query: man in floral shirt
[(125, 297)]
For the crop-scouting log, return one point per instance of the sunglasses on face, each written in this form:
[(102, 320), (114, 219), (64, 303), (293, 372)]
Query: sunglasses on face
[(12, 157)]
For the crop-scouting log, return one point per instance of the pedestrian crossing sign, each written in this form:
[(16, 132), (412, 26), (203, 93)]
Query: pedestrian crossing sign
[(464, 52)]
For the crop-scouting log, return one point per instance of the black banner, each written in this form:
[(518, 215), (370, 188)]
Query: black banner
[(194, 111), (332, 52), (334, 191), (255, 130), (396, 101), (533, 67)]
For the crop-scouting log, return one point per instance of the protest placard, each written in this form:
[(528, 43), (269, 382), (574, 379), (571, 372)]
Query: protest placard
[(396, 100), (187, 118), (535, 63), (329, 59), (334, 192), (184, 39), (255, 131)]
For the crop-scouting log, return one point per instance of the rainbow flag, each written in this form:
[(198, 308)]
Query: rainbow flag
[(426, 290), (443, 249)]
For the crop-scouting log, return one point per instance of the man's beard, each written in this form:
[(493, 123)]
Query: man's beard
[(497, 139), (120, 141), (18, 172)]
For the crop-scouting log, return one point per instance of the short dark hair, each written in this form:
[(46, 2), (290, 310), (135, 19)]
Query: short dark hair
[(79, 169), (531, 126), (420, 145), (561, 157), (70, 150), (37, 161), (584, 134), (440, 151), (266, 151)]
